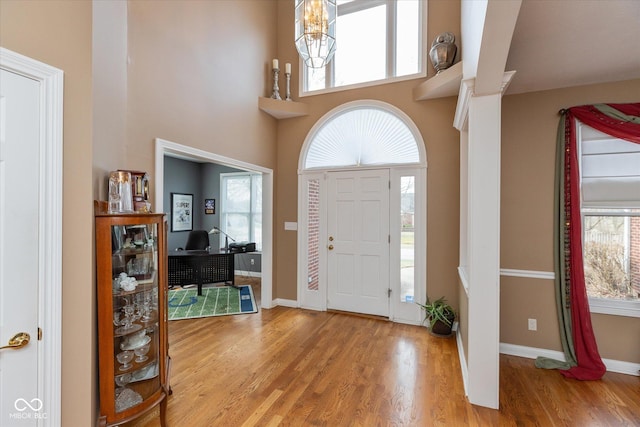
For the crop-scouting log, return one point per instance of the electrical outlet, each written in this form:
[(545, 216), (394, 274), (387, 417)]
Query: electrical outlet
[(253, 261), (533, 325)]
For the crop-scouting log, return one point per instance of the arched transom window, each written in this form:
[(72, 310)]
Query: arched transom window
[(364, 133)]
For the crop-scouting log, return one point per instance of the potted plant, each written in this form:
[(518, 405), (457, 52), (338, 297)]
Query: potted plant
[(440, 316)]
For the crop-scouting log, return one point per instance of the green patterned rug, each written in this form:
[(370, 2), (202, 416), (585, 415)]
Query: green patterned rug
[(218, 301)]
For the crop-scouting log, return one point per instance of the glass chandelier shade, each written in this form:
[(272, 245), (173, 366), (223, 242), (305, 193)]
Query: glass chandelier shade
[(315, 31)]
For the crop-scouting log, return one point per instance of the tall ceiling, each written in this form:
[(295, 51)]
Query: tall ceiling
[(562, 43)]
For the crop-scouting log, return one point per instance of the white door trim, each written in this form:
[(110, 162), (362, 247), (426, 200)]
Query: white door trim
[(399, 312), (50, 227), (164, 147)]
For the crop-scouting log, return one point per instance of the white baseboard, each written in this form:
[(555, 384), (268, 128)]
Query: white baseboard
[(530, 352), (622, 367), (463, 365), (285, 302), (248, 273), (618, 366)]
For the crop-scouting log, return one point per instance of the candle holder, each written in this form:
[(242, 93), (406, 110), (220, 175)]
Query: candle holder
[(288, 96), (276, 89)]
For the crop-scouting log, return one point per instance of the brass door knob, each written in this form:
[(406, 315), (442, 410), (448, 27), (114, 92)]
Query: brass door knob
[(330, 247), (19, 340)]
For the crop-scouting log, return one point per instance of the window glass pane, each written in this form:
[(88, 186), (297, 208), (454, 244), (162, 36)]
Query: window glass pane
[(257, 198), (612, 257), (257, 231), (361, 39), (408, 38), (238, 194), (407, 239), (237, 226), (370, 46), (316, 78)]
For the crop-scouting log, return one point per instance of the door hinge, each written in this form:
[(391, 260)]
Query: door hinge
[(389, 238), (389, 292), (39, 334)]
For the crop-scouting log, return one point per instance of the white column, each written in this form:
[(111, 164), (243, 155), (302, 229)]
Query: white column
[(484, 249)]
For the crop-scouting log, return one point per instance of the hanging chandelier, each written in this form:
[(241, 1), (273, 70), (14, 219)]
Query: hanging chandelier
[(316, 31)]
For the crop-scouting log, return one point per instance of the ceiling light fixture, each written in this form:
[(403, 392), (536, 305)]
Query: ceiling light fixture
[(315, 31)]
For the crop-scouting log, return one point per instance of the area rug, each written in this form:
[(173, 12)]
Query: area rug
[(217, 301)]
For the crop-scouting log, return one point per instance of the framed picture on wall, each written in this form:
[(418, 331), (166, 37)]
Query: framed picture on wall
[(181, 212), (209, 206)]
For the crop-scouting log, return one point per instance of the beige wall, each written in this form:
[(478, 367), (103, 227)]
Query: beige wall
[(109, 57), (195, 74), (528, 153), (434, 119), (59, 33)]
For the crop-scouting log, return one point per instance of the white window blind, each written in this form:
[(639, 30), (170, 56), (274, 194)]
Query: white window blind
[(241, 207), (610, 169), (360, 137)]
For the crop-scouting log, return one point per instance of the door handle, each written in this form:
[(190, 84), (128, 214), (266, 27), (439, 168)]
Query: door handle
[(330, 247), (19, 340), (331, 238)]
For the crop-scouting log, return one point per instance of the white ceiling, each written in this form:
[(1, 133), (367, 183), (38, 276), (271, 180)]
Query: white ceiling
[(562, 43)]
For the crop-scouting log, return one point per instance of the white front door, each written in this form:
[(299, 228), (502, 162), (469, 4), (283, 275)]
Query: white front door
[(19, 249), (358, 241)]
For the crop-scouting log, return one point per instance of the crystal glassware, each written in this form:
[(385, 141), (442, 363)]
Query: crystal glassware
[(122, 380), (130, 316), (141, 352), (144, 306), (125, 358)]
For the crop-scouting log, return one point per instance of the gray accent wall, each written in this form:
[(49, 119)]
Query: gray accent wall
[(211, 190), (181, 176)]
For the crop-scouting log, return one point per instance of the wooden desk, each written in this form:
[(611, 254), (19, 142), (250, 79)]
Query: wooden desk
[(200, 267)]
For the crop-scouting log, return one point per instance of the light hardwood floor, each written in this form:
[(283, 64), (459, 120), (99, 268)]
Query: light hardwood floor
[(294, 367)]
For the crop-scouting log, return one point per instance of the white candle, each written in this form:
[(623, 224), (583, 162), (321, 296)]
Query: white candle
[(275, 64), (287, 68)]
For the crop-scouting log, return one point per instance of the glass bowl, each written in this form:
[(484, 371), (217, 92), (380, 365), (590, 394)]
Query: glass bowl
[(141, 352), (125, 358)]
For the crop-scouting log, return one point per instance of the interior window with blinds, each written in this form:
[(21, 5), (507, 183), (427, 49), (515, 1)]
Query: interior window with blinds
[(610, 190), (241, 207)]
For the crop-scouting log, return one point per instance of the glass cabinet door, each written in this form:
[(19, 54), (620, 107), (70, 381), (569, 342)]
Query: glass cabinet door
[(135, 313)]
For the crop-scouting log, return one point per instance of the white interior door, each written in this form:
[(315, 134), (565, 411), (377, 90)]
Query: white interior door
[(358, 241), (19, 248)]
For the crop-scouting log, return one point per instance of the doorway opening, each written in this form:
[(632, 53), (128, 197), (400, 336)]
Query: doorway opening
[(362, 213), (172, 149)]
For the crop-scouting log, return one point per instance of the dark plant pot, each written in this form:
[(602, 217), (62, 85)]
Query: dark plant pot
[(442, 329)]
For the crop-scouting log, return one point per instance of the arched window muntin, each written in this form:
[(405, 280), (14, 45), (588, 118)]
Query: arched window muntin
[(403, 125)]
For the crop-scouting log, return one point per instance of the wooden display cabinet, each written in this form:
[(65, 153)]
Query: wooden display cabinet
[(134, 363)]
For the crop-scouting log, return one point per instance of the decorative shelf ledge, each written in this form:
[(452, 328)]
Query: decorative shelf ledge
[(447, 83), (282, 109)]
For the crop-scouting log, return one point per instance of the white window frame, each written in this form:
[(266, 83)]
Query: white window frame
[(357, 6), (604, 305), (252, 209)]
